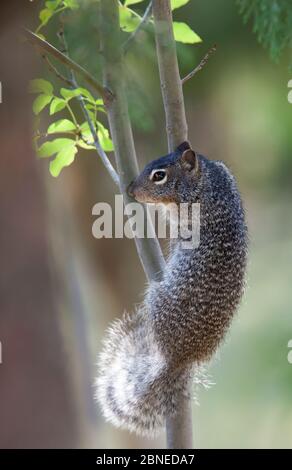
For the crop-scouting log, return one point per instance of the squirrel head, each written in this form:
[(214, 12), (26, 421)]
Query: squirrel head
[(169, 179)]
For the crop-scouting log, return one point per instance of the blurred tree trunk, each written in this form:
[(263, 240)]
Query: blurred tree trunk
[(37, 406)]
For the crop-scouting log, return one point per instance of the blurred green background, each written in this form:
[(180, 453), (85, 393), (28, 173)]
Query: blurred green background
[(238, 112)]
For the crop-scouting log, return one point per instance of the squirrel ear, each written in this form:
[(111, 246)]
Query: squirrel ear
[(182, 147), (189, 160)]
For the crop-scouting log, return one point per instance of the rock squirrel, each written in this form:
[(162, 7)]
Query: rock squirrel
[(148, 357)]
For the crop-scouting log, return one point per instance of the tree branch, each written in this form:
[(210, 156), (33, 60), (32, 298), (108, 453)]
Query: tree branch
[(56, 71), (104, 158), (105, 93), (176, 124), (201, 64), (144, 21), (179, 427), (148, 249)]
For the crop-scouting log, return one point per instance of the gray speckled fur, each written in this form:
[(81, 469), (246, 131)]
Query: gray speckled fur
[(148, 357)]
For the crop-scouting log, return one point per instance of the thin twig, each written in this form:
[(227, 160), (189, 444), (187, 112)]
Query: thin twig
[(143, 22), (45, 46), (56, 72), (201, 64), (104, 158), (73, 84)]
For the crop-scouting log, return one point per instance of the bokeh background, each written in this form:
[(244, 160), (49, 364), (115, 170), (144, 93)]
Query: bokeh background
[(59, 287)]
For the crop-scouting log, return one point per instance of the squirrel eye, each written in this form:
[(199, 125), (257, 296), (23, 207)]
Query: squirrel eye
[(158, 176)]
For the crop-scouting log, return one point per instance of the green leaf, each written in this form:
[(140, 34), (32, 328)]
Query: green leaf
[(57, 105), (131, 2), (68, 94), (84, 92), (86, 132), (63, 158), (102, 134), (51, 147), (45, 15), (183, 33), (128, 20), (73, 4), (41, 86), (40, 103), (90, 106), (53, 4), (85, 146), (63, 125), (104, 138), (91, 114), (178, 3)]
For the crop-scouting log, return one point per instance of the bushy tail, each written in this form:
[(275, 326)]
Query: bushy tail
[(136, 387)]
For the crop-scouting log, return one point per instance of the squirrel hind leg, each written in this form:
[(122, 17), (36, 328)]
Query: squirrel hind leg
[(135, 388)]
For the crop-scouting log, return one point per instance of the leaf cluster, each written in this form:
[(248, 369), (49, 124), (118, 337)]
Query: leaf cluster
[(68, 133), (76, 134), (272, 23)]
